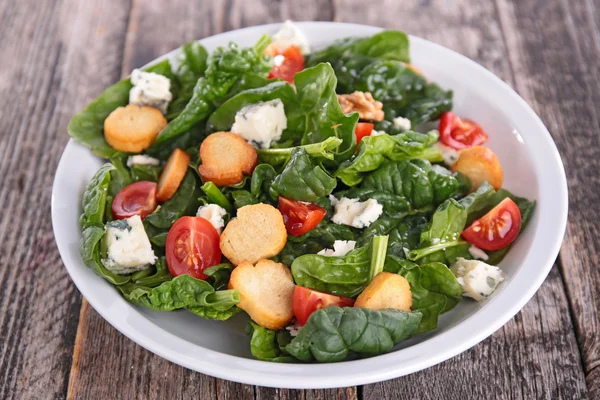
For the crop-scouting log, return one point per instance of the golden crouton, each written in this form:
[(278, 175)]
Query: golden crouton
[(133, 129), (172, 174), (257, 232), (226, 158), (386, 290), (480, 164), (266, 292)]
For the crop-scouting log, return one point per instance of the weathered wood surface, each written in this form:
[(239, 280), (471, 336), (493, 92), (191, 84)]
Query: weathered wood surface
[(57, 55)]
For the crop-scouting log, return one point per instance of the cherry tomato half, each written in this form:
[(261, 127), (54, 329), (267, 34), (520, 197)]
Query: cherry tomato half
[(496, 229), (306, 301), (363, 129), (192, 246), (139, 198), (286, 62), (300, 217), (460, 133)]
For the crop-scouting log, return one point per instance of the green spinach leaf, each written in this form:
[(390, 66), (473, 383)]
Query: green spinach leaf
[(89, 248), (278, 157), (184, 202), (302, 180), (332, 334), (264, 344), (344, 276), (95, 197)]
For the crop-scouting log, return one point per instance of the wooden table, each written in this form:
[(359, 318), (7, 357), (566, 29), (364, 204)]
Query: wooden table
[(56, 55)]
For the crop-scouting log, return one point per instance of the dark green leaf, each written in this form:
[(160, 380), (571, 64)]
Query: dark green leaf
[(94, 201), (264, 345), (89, 248), (184, 202)]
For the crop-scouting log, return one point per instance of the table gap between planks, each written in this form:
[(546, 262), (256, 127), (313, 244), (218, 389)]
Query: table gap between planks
[(57, 55)]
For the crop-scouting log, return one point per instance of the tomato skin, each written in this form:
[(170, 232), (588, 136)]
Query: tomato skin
[(306, 301), (298, 217), (460, 133), (139, 198), (192, 246), (363, 129), (496, 229), (286, 62)]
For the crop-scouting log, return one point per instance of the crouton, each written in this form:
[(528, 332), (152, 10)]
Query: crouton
[(133, 129), (266, 292), (480, 164), (226, 158), (257, 232), (172, 174), (386, 290)]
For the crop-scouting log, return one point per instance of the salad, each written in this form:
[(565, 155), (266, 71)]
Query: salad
[(303, 188)]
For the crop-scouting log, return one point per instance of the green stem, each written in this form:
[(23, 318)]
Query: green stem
[(215, 196), (378, 253), (414, 255)]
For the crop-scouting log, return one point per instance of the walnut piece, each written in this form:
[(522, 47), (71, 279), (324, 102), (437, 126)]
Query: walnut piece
[(363, 103)]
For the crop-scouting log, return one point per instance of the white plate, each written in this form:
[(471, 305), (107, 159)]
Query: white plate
[(532, 168)]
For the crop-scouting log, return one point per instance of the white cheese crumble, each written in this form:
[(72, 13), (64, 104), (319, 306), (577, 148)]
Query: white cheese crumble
[(150, 89), (358, 214), (449, 154), (261, 123), (294, 329), (476, 252), (478, 279), (142, 160), (128, 246), (340, 248), (333, 200), (402, 122), (290, 35), (377, 133), (214, 214)]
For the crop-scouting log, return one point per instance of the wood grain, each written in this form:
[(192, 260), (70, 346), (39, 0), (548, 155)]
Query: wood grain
[(49, 62), (557, 71)]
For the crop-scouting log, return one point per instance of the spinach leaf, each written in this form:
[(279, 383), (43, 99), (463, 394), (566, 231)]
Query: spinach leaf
[(94, 200), (351, 55), (87, 127), (331, 334), (214, 195), (323, 115), (261, 182), (264, 344), (219, 275), (403, 92), (187, 292), (153, 276), (89, 248), (280, 156), (322, 237), (184, 202), (145, 173), (224, 116), (443, 231), (434, 288), (343, 276), (192, 65), (373, 151), (301, 180), (226, 68), (120, 176)]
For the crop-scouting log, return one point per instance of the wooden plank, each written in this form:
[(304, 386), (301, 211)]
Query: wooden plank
[(50, 61), (102, 354), (535, 355), (555, 48)]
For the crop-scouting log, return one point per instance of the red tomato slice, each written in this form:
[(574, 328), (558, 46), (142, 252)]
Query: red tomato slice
[(139, 198), (460, 133), (362, 130), (286, 63), (306, 301), (300, 217), (192, 246), (496, 229)]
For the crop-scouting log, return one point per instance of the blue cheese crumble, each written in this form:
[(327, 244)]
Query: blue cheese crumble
[(127, 246), (477, 279), (150, 89), (340, 248), (358, 214), (262, 123)]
